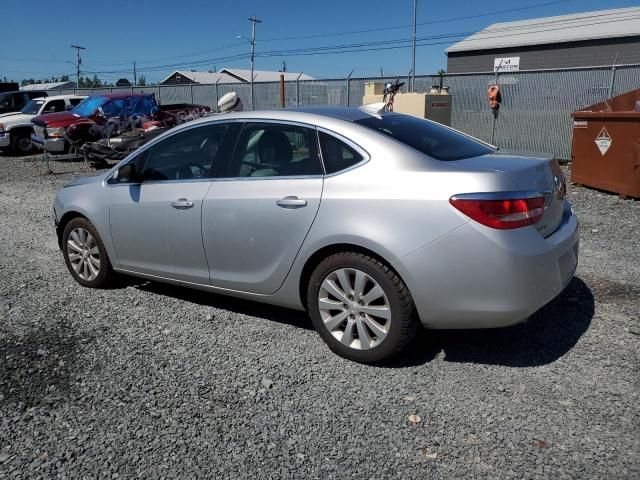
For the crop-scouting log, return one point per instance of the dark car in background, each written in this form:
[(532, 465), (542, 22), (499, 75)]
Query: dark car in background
[(15, 101)]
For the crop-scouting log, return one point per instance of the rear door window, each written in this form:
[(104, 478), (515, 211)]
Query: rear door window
[(276, 150), (113, 108), (430, 138), (54, 106)]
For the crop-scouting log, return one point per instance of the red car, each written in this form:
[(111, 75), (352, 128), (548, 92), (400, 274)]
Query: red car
[(95, 116)]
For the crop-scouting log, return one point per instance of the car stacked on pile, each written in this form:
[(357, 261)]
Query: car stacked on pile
[(33, 121)]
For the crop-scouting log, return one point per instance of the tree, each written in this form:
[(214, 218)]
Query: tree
[(441, 73), (142, 81)]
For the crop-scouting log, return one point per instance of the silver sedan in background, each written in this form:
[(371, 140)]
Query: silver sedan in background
[(372, 222)]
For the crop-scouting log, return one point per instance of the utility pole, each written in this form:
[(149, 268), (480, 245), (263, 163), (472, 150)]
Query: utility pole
[(135, 77), (253, 19), (78, 62), (413, 64)]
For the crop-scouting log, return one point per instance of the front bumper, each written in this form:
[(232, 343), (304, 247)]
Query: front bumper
[(477, 277), (53, 145), (5, 140)]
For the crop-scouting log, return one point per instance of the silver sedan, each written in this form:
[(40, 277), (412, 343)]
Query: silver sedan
[(374, 223)]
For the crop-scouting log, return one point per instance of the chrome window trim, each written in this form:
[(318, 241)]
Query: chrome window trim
[(156, 182), (279, 177)]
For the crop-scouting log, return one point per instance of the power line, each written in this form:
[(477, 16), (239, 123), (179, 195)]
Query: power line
[(432, 22), (510, 31)]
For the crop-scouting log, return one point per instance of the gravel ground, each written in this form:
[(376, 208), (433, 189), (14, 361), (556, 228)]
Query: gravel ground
[(158, 381)]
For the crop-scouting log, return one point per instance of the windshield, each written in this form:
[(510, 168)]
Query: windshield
[(88, 106), (430, 138), (32, 107)]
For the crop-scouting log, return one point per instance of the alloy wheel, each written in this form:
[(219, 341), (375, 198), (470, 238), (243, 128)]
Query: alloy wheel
[(83, 253), (354, 308)]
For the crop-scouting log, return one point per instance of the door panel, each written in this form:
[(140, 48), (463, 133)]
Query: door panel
[(250, 240), (156, 223), (155, 237)]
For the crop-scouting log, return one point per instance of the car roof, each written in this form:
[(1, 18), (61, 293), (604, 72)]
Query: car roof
[(307, 114), (60, 97), (112, 96), (23, 91)]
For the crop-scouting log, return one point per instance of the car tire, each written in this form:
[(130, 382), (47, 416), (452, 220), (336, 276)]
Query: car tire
[(85, 255), (375, 304), (21, 143)]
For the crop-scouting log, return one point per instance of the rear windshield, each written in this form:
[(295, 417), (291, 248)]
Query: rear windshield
[(428, 137)]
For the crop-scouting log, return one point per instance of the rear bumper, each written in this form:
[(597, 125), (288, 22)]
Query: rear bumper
[(5, 140), (53, 145), (477, 277)]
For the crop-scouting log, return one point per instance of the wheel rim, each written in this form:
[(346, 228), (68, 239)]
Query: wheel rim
[(24, 144), (354, 308), (83, 254)]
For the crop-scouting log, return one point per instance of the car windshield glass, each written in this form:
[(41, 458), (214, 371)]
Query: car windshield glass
[(32, 107), (88, 106), (428, 137)]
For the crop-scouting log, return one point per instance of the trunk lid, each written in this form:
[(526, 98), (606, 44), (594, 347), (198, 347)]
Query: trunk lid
[(530, 172)]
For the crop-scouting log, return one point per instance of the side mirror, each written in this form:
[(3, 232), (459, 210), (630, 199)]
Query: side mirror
[(125, 174)]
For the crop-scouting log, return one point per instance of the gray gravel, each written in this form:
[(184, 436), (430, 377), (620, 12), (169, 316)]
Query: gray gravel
[(157, 381)]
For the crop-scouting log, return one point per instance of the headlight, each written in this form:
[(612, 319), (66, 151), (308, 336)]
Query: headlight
[(55, 132), (1, 127)]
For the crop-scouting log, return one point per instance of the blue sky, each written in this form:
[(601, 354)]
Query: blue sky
[(160, 33)]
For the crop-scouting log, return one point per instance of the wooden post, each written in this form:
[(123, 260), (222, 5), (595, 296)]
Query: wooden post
[(282, 103)]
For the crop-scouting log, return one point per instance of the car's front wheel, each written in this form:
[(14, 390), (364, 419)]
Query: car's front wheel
[(360, 307), (21, 143), (85, 255)]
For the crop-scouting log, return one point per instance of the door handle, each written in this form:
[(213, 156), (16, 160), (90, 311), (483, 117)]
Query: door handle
[(291, 202), (182, 204)]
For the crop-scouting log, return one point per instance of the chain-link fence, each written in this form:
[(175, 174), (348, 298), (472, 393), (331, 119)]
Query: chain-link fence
[(535, 113)]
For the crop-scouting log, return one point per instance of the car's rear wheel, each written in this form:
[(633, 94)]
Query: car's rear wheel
[(360, 307), (21, 143), (85, 255)]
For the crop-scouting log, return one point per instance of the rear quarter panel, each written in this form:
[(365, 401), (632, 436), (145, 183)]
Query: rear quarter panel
[(394, 204)]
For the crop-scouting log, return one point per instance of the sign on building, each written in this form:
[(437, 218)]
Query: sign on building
[(506, 64)]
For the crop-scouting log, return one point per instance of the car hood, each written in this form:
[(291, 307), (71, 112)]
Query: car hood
[(85, 181), (59, 119), (16, 117)]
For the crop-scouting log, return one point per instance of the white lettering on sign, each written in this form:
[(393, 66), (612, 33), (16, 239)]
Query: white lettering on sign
[(579, 124), (603, 141), (506, 64)]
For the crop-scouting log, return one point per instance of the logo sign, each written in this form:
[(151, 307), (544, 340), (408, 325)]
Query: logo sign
[(603, 141), (506, 64)]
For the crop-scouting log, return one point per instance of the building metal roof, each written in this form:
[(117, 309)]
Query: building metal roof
[(49, 86), (615, 23), (235, 75)]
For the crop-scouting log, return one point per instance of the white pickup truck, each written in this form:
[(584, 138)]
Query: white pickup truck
[(16, 128)]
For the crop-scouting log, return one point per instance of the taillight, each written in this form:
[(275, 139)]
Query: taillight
[(501, 213)]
